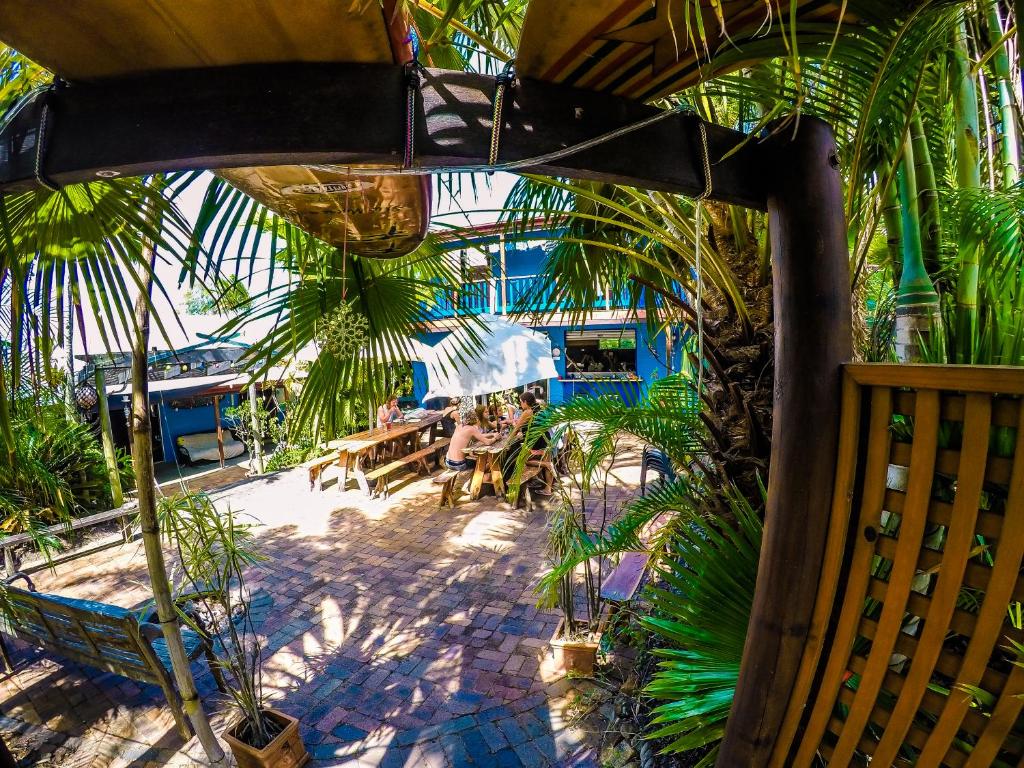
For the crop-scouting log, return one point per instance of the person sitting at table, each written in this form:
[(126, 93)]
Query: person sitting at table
[(484, 419), (527, 408), (465, 433), (516, 437), (388, 413), (448, 422)]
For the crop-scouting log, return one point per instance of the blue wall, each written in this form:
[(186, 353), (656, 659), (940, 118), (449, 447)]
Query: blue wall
[(523, 259), (186, 421)]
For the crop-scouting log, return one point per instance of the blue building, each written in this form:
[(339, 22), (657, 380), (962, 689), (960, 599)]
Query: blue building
[(612, 350), (186, 385)]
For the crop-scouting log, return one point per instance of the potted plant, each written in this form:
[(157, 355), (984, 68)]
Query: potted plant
[(214, 549), (588, 464)]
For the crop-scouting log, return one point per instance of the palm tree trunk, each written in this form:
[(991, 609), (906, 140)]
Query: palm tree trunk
[(257, 432), (69, 348), (1009, 145), (142, 458), (917, 302), (107, 439)]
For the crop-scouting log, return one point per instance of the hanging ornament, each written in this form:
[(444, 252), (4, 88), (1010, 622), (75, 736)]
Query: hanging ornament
[(343, 332)]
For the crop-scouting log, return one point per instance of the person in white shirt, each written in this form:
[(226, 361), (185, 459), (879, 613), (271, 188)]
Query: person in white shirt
[(388, 413)]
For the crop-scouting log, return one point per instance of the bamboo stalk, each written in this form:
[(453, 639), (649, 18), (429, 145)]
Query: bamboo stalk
[(965, 113), (927, 195), (107, 439), (142, 457), (892, 215), (1009, 146), (917, 302)]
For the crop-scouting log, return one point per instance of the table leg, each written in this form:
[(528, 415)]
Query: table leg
[(497, 479), (360, 475), (343, 461), (476, 486)]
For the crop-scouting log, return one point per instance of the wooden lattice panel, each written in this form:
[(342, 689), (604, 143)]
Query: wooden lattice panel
[(910, 658)]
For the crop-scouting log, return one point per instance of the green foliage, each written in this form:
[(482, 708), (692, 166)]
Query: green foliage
[(228, 294), (58, 473), (215, 549), (700, 611), (252, 426), (667, 417)]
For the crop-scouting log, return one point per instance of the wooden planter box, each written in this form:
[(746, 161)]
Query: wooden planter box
[(285, 751), (575, 655)]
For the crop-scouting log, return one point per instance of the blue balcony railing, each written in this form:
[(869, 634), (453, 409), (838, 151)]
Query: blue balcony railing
[(526, 292)]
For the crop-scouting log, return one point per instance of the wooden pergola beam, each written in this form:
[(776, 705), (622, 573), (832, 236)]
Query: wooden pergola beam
[(355, 114)]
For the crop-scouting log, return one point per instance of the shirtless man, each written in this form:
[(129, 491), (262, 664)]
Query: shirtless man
[(464, 433)]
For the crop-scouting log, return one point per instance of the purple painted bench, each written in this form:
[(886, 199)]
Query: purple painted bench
[(622, 583)]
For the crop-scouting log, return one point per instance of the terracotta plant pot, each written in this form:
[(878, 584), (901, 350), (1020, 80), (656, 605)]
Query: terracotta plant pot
[(285, 751), (574, 655)]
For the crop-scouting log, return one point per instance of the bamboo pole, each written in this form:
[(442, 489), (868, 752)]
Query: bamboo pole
[(968, 174), (917, 303), (893, 228), (107, 438), (927, 195), (965, 113), (1009, 146), (142, 457)]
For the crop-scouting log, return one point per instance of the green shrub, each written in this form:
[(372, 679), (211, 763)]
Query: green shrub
[(58, 473)]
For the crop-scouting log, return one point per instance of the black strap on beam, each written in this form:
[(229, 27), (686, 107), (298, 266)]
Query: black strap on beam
[(355, 114)]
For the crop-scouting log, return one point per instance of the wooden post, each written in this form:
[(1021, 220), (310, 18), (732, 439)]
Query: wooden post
[(811, 276), (257, 432), (107, 438), (220, 430)]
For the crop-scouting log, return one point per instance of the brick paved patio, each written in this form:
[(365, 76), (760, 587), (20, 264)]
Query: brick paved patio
[(400, 634)]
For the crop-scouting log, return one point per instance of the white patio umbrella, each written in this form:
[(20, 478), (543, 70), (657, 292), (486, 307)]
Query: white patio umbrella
[(509, 356)]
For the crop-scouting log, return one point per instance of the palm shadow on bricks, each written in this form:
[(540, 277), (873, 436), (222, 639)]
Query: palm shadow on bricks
[(400, 634), (63, 700)]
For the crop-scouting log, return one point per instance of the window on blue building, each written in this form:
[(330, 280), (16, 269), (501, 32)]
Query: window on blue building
[(600, 353)]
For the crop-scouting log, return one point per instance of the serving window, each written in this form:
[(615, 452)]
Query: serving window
[(600, 354)]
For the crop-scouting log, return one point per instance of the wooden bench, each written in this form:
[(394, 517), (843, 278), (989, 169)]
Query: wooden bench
[(316, 467), (621, 584), (381, 474), (447, 480), (540, 461), (100, 635), (125, 514)]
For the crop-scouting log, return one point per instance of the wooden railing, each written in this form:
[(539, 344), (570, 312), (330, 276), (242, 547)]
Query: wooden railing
[(910, 655)]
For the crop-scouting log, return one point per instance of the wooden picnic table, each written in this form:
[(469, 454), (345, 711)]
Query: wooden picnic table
[(488, 467), (354, 449)]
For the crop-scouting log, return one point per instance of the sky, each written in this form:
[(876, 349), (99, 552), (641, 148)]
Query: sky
[(466, 206)]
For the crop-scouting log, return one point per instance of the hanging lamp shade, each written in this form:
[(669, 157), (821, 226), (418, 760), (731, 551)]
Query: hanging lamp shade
[(376, 216)]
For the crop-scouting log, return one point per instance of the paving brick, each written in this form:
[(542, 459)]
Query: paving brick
[(512, 731), (530, 755), (395, 644)]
